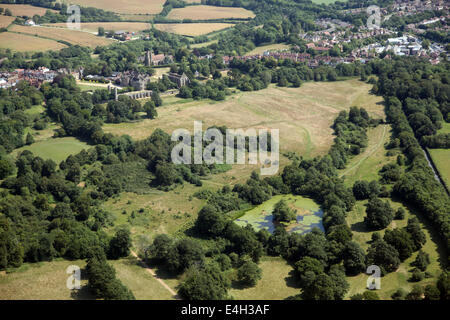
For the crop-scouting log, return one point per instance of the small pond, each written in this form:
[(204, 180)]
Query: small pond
[(309, 215)]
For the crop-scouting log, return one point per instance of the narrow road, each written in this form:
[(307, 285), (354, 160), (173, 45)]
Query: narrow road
[(153, 273)]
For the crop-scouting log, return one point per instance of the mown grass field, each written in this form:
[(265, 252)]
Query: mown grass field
[(123, 6), (203, 12), (72, 36), (42, 281), (192, 29), (115, 26), (277, 282), (27, 43), (57, 149), (24, 10), (303, 115), (269, 47), (6, 21)]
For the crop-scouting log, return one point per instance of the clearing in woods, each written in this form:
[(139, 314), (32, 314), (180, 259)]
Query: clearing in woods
[(72, 36), (204, 12), (192, 29), (27, 43), (123, 6)]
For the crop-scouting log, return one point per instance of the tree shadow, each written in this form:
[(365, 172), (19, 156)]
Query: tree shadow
[(291, 280)]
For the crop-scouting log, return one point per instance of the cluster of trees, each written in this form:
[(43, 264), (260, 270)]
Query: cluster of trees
[(13, 103)]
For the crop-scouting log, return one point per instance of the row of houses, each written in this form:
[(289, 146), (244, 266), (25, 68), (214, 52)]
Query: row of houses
[(35, 77)]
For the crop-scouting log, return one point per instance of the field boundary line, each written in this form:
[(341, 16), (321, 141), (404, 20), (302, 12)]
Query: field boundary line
[(153, 273)]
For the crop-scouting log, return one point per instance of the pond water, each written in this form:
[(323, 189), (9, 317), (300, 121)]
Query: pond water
[(309, 215)]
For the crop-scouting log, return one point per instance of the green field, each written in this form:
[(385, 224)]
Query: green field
[(309, 214), (269, 47), (441, 159), (57, 149)]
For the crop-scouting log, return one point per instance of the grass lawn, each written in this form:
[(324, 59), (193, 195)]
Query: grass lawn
[(42, 281), (276, 283), (57, 149)]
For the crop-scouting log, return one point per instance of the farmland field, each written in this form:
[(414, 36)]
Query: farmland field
[(24, 9), (192, 29), (6, 21), (308, 212), (23, 43), (303, 115), (57, 149), (441, 159), (209, 12), (124, 6), (72, 36), (115, 26)]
